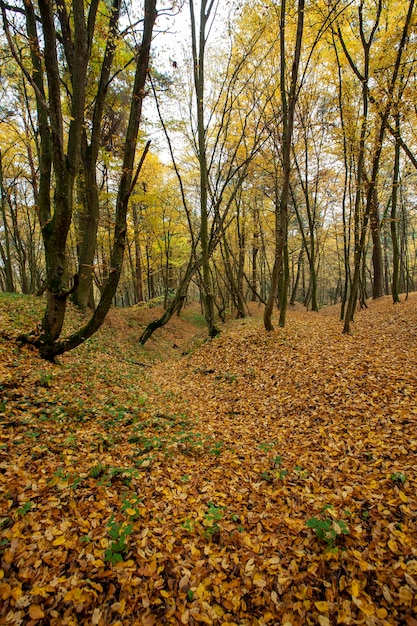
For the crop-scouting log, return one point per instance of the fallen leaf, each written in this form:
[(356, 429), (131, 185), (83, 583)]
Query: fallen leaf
[(36, 612), (59, 541), (356, 588), (258, 581)]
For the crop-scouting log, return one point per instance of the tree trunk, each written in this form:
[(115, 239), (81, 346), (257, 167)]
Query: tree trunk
[(89, 217), (138, 255), (234, 286), (393, 220), (288, 110), (6, 256), (255, 253), (55, 230), (199, 69), (176, 303), (372, 182), (377, 255), (297, 278)]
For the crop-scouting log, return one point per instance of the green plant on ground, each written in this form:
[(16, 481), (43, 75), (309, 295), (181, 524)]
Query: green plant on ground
[(328, 529), (399, 478), (188, 525), (25, 508), (118, 532), (71, 441), (45, 380), (98, 470), (281, 474), (72, 479), (213, 515), (32, 434), (130, 506), (217, 448), (124, 473), (300, 471), (170, 434)]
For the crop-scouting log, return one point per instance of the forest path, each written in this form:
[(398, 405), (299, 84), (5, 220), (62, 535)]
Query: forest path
[(263, 478)]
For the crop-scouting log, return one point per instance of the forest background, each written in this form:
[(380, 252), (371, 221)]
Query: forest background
[(274, 161)]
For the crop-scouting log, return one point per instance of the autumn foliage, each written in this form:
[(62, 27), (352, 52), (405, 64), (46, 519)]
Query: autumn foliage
[(258, 478)]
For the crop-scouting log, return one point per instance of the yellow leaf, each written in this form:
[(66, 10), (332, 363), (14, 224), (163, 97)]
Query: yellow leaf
[(119, 606), (170, 607), (130, 511), (322, 606), (195, 552), (392, 546), (5, 591), (77, 593), (402, 495), (355, 587), (39, 591), (35, 611), (69, 595), (59, 541), (201, 592), (324, 621), (8, 556), (382, 613), (258, 581), (17, 593), (366, 608), (405, 595), (246, 540), (364, 565)]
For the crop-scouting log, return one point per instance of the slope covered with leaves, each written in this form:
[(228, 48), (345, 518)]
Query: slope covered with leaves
[(258, 479)]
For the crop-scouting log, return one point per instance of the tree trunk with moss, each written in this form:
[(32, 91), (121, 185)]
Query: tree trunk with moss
[(60, 152), (288, 103), (198, 53)]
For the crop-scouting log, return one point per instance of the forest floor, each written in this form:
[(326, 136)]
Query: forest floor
[(258, 478)]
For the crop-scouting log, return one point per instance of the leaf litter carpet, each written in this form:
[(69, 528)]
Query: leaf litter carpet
[(259, 479)]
